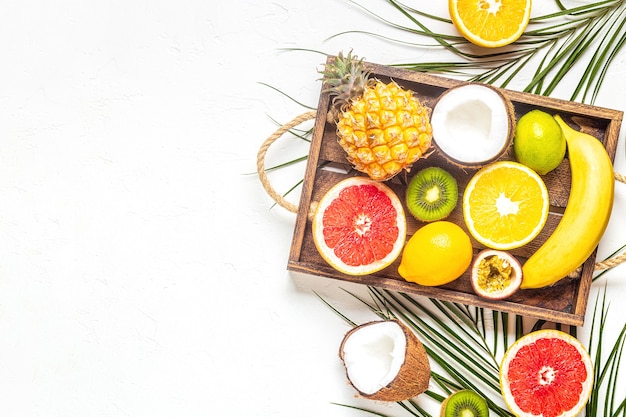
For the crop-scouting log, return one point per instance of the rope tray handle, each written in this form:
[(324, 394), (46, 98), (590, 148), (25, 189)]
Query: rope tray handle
[(260, 161), (278, 198)]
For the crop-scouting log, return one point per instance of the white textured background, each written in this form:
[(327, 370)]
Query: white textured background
[(142, 268)]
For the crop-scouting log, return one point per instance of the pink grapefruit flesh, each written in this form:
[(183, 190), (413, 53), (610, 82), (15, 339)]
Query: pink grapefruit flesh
[(359, 226), (546, 373)]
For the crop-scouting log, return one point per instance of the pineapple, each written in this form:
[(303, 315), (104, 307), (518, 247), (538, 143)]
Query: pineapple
[(382, 127)]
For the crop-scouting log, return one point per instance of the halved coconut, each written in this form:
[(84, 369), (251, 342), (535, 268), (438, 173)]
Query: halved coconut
[(496, 274), (473, 124), (385, 361)]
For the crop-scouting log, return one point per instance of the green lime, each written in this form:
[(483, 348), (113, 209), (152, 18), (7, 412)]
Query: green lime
[(539, 142)]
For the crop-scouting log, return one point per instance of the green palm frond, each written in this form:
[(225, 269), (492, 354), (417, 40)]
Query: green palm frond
[(605, 400), (589, 35), (288, 96), (300, 134), (456, 339), (613, 254), (466, 343)]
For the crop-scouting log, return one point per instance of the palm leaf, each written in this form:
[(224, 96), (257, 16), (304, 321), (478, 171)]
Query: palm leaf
[(288, 96), (554, 48), (554, 43), (454, 338), (466, 342), (615, 253), (605, 371)]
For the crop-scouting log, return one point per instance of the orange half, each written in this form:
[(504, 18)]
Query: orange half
[(505, 205), (490, 23)]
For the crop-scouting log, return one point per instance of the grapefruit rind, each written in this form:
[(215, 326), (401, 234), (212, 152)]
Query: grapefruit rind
[(327, 252), (529, 339)]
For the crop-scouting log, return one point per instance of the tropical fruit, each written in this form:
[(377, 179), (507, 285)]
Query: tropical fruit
[(432, 194), (464, 403), (473, 124), (539, 142), (436, 254), (505, 205), (385, 361), (586, 215), (546, 373), (359, 226), (382, 127), (490, 23), (496, 274)]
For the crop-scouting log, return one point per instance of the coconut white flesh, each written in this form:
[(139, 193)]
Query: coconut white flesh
[(373, 356), (470, 123)]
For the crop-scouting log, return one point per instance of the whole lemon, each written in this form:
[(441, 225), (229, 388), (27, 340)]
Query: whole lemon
[(436, 254), (539, 142)]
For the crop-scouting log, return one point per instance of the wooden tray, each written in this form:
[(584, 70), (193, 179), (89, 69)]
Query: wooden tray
[(564, 302)]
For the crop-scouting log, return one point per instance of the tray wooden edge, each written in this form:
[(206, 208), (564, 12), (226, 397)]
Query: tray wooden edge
[(572, 319), (613, 119), (307, 186)]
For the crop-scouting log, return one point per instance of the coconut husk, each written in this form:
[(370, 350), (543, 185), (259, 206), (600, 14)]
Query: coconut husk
[(414, 374), (505, 153)]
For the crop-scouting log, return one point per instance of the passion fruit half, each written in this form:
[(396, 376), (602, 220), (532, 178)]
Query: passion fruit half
[(495, 274)]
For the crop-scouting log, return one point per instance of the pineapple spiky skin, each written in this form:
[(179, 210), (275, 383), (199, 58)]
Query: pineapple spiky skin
[(382, 127), (384, 131)]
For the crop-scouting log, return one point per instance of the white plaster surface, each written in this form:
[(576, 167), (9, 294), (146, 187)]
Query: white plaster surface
[(142, 266)]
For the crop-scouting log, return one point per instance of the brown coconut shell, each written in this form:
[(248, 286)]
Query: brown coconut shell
[(414, 374), (506, 149)]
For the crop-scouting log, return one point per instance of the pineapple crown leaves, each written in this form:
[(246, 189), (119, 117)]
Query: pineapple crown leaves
[(345, 78)]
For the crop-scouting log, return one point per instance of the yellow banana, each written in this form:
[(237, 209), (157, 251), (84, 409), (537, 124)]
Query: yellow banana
[(585, 217)]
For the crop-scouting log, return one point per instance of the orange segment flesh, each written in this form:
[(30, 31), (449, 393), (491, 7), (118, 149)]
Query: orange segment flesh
[(505, 205), (490, 23)]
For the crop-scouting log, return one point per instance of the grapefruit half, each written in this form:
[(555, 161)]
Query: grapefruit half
[(546, 373), (359, 226)]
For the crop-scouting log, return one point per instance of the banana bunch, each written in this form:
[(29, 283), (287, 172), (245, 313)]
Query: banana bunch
[(586, 214)]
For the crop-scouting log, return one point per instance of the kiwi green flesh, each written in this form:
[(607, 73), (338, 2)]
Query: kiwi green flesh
[(465, 403), (432, 194)]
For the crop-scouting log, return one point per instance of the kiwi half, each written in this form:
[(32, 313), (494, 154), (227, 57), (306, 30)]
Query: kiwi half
[(432, 194), (464, 403)]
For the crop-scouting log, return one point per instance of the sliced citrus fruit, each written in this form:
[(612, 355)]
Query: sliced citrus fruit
[(359, 226), (546, 373), (490, 23), (505, 205)]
